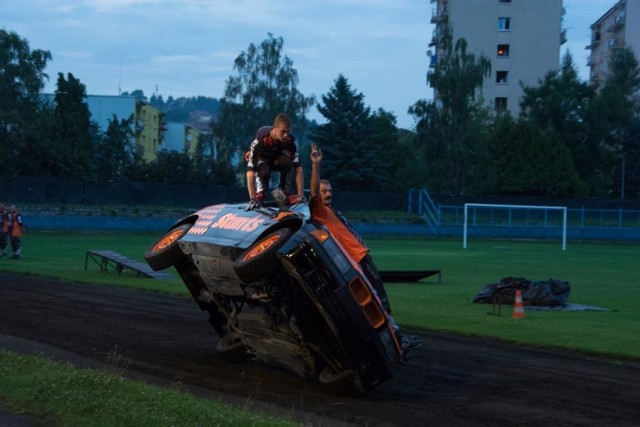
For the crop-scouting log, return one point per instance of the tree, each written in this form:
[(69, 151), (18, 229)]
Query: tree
[(563, 104), (618, 106), (21, 80), (137, 94), (72, 135), (114, 151), (450, 129), (351, 154), (396, 152), (264, 84), (529, 161)]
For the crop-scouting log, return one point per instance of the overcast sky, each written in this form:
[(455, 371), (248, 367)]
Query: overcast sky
[(187, 47)]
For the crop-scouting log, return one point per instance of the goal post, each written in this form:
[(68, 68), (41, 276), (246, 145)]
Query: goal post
[(511, 207)]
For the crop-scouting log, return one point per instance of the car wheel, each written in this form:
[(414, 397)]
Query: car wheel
[(261, 259), (166, 252)]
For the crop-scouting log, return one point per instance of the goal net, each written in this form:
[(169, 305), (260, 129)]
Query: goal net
[(513, 216)]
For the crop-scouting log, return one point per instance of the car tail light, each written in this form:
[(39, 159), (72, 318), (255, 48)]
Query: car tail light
[(363, 295), (360, 291), (374, 314), (320, 234)]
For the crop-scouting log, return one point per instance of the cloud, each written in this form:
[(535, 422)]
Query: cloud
[(187, 47)]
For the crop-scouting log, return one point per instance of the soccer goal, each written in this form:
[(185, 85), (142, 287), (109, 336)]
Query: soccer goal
[(514, 215)]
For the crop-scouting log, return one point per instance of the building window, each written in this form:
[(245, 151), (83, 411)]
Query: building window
[(505, 1), (504, 24), (501, 103), (501, 77), (503, 50)]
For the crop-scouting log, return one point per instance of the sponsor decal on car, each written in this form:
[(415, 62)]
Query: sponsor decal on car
[(232, 221)]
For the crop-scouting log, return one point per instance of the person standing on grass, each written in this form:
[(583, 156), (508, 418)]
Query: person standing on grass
[(15, 231), (4, 230)]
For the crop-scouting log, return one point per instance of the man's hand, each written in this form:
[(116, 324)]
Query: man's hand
[(316, 154), (253, 204)]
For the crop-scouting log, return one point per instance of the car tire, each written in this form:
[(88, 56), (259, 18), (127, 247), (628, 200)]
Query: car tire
[(166, 251), (261, 259)]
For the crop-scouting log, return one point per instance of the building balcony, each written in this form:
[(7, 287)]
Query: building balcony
[(439, 16)]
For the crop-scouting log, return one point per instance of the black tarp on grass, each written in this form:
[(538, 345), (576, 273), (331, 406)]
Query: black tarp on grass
[(552, 292)]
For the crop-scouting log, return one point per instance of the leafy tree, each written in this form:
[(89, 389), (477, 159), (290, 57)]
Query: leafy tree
[(264, 84), (178, 110), (351, 154), (525, 160), (618, 107), (72, 135), (169, 167), (21, 80), (395, 150), (114, 150), (563, 104), (137, 94), (631, 162), (450, 129), (201, 169)]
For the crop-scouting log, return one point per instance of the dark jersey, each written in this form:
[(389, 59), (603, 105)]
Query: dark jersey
[(267, 149)]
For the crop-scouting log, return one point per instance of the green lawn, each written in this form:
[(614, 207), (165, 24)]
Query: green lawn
[(59, 394), (603, 275)]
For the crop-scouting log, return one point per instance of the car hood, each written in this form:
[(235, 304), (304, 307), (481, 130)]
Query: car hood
[(231, 225)]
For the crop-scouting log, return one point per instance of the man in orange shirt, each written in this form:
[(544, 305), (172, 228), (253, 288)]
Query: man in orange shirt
[(4, 230), (349, 239), (15, 230)]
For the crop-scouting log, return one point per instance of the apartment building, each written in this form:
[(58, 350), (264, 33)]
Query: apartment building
[(150, 127), (521, 38), (618, 27)]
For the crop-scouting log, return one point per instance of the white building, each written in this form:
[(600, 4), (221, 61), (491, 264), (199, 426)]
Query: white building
[(521, 38), (104, 107), (618, 27)]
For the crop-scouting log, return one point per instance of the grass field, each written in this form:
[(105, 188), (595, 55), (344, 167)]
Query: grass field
[(601, 274)]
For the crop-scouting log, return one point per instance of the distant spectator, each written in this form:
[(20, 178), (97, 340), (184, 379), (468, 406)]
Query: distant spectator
[(4, 230), (15, 230)]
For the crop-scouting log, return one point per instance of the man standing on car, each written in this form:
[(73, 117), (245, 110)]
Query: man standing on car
[(349, 239), (273, 149)]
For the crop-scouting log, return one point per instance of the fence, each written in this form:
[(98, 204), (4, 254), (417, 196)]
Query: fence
[(576, 218), (582, 222)]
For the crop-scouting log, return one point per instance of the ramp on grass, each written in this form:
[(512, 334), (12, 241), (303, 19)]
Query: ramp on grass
[(110, 259), (408, 275)]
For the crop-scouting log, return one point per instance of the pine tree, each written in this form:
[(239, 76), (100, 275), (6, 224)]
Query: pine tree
[(351, 156), (72, 129)]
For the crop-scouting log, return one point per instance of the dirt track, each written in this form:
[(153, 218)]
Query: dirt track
[(451, 381)]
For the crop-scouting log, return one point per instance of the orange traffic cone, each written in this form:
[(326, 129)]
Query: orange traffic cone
[(518, 308)]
